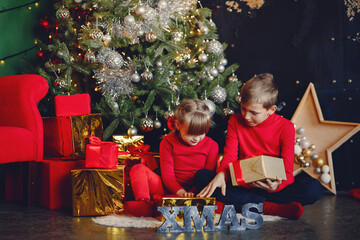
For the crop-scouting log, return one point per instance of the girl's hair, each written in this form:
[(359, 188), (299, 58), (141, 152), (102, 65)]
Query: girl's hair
[(260, 89), (195, 113)]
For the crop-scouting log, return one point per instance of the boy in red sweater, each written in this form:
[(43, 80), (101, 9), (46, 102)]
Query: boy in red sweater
[(258, 130), (182, 153)]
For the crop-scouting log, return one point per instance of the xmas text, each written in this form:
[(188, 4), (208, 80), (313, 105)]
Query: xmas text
[(228, 219)]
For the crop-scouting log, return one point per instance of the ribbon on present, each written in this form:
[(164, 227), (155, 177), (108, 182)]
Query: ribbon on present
[(238, 173), (139, 150), (100, 154)]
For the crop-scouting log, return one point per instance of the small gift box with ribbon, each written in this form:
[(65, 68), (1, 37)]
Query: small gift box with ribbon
[(100, 154), (256, 169)]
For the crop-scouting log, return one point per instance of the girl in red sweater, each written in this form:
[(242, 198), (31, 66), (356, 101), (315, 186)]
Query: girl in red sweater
[(182, 153), (258, 130)]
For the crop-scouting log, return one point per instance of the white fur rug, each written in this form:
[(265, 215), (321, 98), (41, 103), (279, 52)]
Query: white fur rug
[(127, 221)]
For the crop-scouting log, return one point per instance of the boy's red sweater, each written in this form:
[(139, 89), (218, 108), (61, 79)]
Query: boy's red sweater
[(273, 137)]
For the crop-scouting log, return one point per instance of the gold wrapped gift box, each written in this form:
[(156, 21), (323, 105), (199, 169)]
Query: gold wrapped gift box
[(126, 141), (97, 191), (178, 201)]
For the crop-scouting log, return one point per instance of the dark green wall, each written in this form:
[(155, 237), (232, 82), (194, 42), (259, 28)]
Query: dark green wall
[(18, 27)]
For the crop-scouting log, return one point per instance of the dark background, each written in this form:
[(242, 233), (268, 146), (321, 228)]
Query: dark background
[(300, 42)]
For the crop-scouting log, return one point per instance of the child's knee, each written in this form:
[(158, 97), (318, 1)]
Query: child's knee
[(203, 176), (136, 169), (313, 192)]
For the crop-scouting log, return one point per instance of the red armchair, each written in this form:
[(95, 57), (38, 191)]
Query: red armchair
[(21, 125)]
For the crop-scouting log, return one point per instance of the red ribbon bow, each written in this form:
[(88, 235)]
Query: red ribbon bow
[(138, 151)]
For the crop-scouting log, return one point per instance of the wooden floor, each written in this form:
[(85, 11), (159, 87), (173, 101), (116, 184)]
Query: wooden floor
[(332, 217)]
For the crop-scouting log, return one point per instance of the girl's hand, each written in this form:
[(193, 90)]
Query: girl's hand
[(183, 193), (218, 181), (268, 185)]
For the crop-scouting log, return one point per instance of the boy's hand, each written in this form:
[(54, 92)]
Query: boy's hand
[(268, 185), (183, 193), (218, 181)]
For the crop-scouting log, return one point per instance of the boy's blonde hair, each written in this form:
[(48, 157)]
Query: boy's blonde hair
[(195, 113), (260, 89)]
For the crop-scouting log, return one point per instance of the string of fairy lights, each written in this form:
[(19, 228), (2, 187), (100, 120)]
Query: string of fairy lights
[(29, 6)]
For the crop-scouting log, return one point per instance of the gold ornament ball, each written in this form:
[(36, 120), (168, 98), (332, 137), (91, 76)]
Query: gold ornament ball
[(300, 158), (319, 162), (306, 152)]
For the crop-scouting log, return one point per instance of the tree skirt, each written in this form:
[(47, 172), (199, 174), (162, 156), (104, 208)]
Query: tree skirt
[(127, 221)]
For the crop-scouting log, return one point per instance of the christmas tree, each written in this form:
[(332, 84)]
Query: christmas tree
[(137, 59)]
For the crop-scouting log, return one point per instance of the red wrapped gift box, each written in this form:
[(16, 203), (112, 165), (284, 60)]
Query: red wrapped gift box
[(101, 154), (72, 105), (54, 183), (67, 136)]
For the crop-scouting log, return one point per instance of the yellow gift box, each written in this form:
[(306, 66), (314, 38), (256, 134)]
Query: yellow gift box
[(97, 191), (126, 141)]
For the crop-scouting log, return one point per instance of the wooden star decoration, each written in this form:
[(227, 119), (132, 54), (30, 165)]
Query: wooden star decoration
[(325, 136)]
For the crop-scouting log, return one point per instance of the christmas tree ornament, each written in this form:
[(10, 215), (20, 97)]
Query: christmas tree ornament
[(218, 95), (162, 4), (113, 60), (213, 72), (174, 87), (157, 124), (223, 61), (150, 37), (77, 1), (214, 47), (147, 75), (220, 68), (132, 131), (209, 78), (60, 54), (301, 130), (135, 77), (60, 82), (304, 143), (314, 156), (297, 149), (227, 111), (203, 57), (40, 54), (147, 124), (96, 34), (319, 162), (129, 20), (325, 178), (169, 113), (211, 106), (177, 36), (62, 14), (89, 56), (306, 152), (325, 169), (106, 38), (140, 10), (233, 78), (204, 29)]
